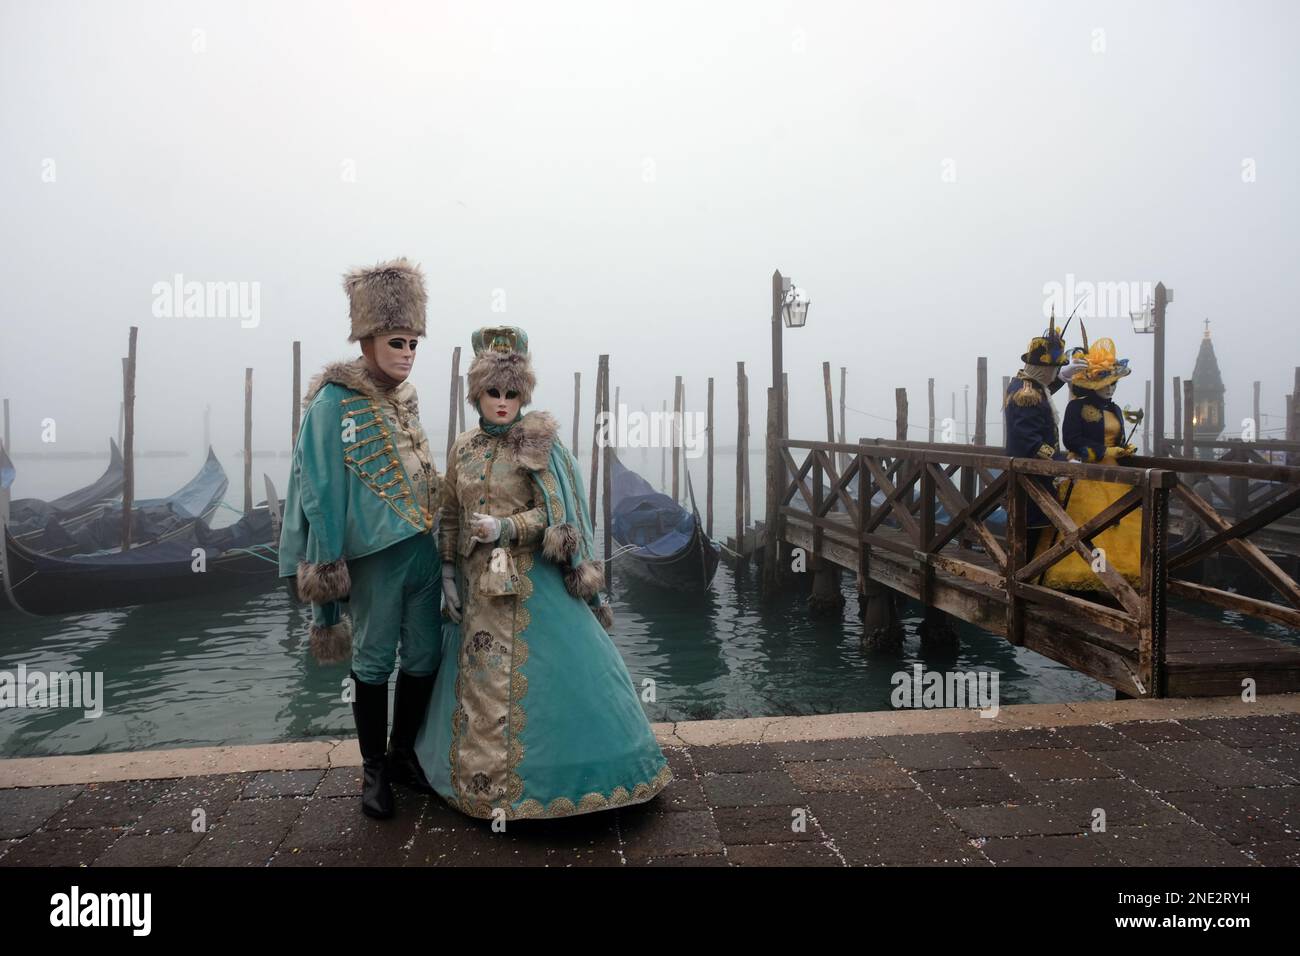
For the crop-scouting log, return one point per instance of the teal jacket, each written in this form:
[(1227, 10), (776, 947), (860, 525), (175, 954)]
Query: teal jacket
[(349, 494)]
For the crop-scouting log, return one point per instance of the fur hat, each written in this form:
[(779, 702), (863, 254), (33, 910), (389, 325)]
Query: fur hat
[(500, 361), (384, 298)]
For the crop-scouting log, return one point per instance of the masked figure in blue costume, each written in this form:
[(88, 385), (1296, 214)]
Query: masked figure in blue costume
[(1030, 418), (534, 713), (358, 526)]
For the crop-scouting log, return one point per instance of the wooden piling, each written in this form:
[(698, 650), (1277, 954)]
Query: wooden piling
[(1006, 384), (248, 441), (741, 455), (608, 456), (843, 459), (1146, 420), (297, 394), (749, 497), (577, 408), (900, 414), (830, 402), (595, 440), (785, 404), (929, 388), (121, 409), (1178, 417), (460, 403), (708, 481), (677, 436), (1189, 414), (663, 447), (1259, 433), (775, 471), (965, 398), (451, 410), (128, 438), (981, 398)]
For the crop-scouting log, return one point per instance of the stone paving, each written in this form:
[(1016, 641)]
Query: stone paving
[(1215, 791)]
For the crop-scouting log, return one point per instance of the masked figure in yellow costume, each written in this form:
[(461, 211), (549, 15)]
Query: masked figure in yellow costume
[(1093, 432)]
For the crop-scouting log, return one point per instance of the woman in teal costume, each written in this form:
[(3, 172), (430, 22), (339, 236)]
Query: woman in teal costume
[(534, 713)]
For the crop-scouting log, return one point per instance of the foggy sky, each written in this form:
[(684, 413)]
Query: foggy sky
[(628, 176)]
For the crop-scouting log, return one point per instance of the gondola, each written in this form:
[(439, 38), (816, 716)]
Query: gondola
[(152, 519), (667, 544), (29, 516), (236, 556)]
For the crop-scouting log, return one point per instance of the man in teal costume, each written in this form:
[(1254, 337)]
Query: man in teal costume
[(359, 517)]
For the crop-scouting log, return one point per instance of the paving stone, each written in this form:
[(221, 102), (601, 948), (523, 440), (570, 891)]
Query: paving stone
[(275, 812), (1084, 850), (685, 794), (750, 789), (1284, 758), (1124, 802), (783, 854), (680, 763), (588, 839), (686, 833), (1095, 738), (1157, 731), (1245, 732), (1220, 764), (150, 849), (753, 825), (1231, 814), (1018, 820), (970, 787), (1286, 853), (738, 758), (251, 845), (337, 823), (703, 859), (476, 847), (1278, 803), (934, 752), (1151, 771), (283, 783), (212, 794), (848, 748), (1034, 738), (1176, 845), (115, 804), (62, 847), (1069, 764), (887, 826), (340, 782), (24, 809), (829, 776)]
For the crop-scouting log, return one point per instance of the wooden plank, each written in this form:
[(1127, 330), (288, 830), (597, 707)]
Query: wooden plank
[(1235, 602), (1241, 529)]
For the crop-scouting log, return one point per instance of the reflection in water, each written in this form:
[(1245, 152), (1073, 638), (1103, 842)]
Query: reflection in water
[(235, 668)]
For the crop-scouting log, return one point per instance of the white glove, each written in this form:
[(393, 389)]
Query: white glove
[(486, 528), (450, 596)]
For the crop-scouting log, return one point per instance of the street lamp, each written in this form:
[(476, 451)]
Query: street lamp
[(794, 306)]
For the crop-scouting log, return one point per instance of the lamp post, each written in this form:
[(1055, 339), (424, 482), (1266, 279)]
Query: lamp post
[(1151, 320), (789, 307)]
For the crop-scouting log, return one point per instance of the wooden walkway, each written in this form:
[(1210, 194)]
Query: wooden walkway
[(885, 529)]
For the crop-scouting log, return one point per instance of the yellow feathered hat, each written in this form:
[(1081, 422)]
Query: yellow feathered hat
[(1097, 366)]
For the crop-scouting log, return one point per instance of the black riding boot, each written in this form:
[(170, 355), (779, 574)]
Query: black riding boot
[(370, 711), (410, 702)]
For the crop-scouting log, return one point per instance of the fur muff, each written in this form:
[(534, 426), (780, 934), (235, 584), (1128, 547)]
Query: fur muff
[(584, 581), (560, 543), (507, 371), (531, 439), (332, 643), (605, 614), (384, 298), (325, 582)]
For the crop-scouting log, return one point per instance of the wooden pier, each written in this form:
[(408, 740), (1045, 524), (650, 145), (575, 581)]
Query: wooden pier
[(1126, 636)]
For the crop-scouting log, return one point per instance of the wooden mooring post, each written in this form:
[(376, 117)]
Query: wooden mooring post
[(595, 437), (128, 438), (929, 388), (451, 402), (677, 436), (1146, 420), (1177, 446), (775, 479), (296, 420), (742, 457), (607, 455), (1189, 419), (248, 441), (708, 494)]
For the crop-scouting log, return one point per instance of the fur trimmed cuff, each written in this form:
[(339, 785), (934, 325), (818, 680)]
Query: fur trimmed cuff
[(332, 643), (584, 581), (325, 582), (560, 543), (605, 614)]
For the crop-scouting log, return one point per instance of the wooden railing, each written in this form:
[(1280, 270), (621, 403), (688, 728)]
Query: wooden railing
[(836, 485)]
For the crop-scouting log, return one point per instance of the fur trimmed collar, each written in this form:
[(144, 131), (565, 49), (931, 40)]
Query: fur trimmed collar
[(531, 439), (353, 375)]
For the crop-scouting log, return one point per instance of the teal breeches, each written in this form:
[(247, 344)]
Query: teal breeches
[(395, 609)]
